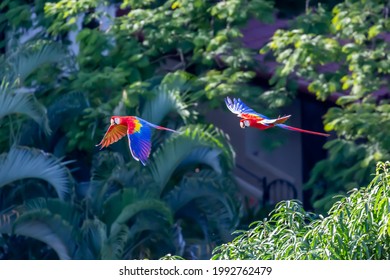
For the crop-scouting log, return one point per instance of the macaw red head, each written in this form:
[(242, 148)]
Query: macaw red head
[(244, 123), (115, 120)]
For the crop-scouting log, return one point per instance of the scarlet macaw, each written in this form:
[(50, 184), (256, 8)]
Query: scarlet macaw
[(250, 118), (137, 130)]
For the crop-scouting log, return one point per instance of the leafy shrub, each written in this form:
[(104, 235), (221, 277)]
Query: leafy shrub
[(358, 227)]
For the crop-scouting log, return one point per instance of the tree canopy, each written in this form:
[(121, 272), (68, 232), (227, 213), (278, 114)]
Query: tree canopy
[(165, 61)]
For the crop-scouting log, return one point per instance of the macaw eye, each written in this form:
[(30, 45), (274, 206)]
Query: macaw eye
[(116, 120), (246, 123)]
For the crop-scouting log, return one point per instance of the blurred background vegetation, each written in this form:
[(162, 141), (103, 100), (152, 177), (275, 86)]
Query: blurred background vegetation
[(67, 66)]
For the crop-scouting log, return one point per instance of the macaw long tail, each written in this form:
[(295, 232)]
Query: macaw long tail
[(301, 130), (165, 128), (161, 127)]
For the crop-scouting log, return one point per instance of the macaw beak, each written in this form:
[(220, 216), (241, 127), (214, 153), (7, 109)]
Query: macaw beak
[(242, 125), (112, 122)]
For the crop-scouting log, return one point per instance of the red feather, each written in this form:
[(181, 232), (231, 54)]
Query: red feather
[(302, 130), (139, 135), (114, 133)]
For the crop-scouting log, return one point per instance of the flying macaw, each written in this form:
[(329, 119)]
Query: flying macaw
[(250, 118), (138, 131)]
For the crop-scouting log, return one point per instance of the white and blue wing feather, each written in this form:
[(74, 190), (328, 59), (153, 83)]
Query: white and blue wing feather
[(236, 106)]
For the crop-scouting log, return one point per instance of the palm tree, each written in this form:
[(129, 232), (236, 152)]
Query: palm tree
[(15, 100), (182, 203), (26, 172), (19, 62), (189, 172)]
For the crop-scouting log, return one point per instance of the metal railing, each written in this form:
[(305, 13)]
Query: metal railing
[(273, 191)]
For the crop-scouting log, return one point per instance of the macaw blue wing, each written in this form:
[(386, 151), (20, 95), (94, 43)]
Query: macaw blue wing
[(236, 106), (140, 142)]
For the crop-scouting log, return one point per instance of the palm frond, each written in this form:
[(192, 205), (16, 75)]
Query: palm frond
[(115, 245), (32, 55), (128, 212), (114, 205), (68, 211), (145, 232), (110, 174), (104, 163), (144, 223), (214, 197), (124, 204), (206, 144), (166, 101), (66, 107), (204, 155), (92, 237), (20, 163), (201, 185), (12, 102), (222, 220), (48, 228), (156, 210), (63, 109)]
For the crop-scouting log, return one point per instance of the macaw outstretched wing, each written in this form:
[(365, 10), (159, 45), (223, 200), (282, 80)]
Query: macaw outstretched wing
[(140, 141), (236, 106), (279, 120), (114, 133)]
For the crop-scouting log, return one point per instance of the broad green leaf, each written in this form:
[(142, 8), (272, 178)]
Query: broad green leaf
[(21, 163), (14, 102)]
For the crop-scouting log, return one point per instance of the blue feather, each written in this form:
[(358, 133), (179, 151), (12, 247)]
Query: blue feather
[(140, 142), (236, 106)]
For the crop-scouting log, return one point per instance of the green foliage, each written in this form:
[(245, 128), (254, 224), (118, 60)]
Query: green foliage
[(62, 110), (169, 96), (150, 39), (182, 175), (137, 210), (23, 60), (68, 10), (158, 60), (21, 163), (196, 145), (17, 94), (215, 196), (128, 219), (47, 228), (341, 52), (364, 131), (18, 101), (13, 102), (358, 227), (128, 60)]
